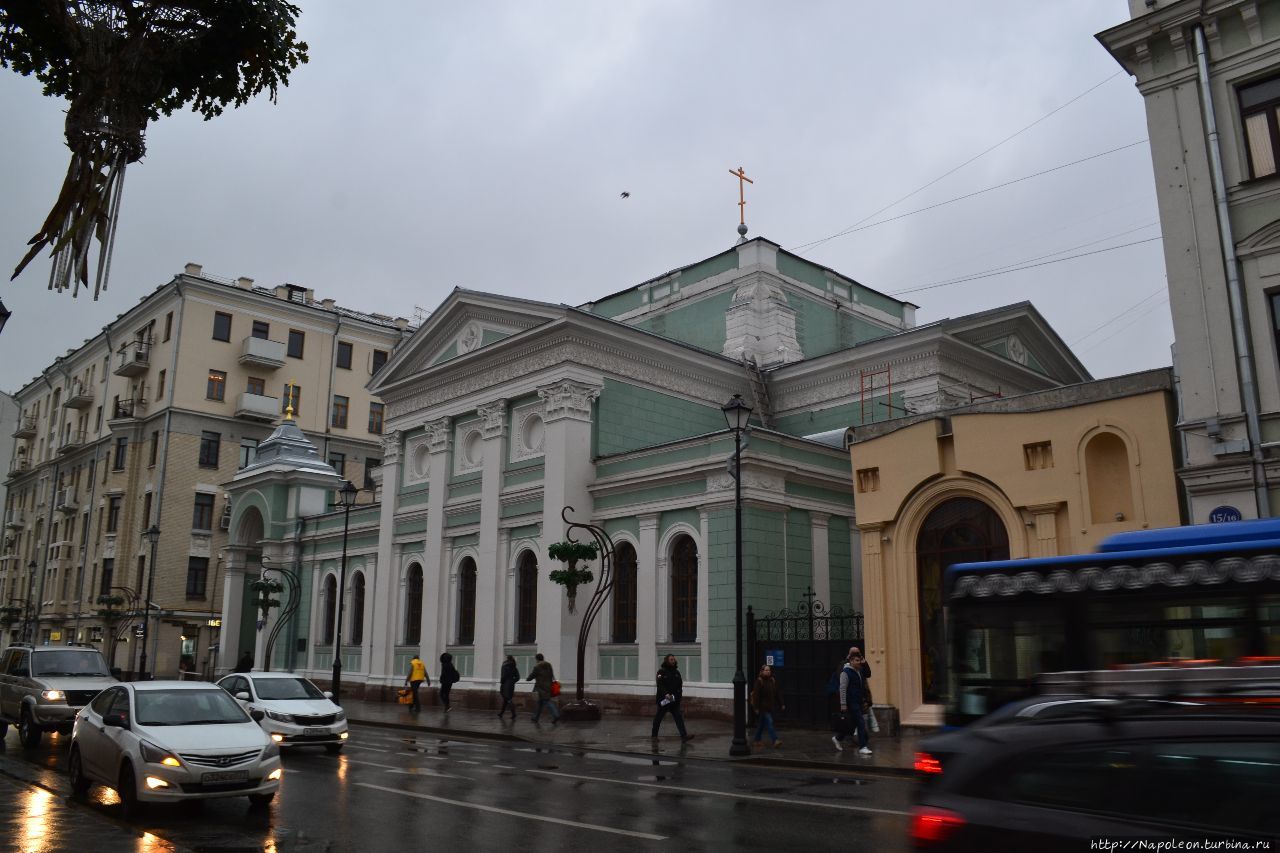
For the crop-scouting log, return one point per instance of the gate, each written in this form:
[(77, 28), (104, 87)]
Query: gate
[(807, 644)]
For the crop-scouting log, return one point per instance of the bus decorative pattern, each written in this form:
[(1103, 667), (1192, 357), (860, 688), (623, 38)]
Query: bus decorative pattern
[(1264, 567)]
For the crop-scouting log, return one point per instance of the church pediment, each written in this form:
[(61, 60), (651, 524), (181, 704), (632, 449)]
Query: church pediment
[(1018, 334), (464, 323)]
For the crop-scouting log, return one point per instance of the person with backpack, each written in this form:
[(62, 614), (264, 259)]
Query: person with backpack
[(449, 676), (543, 676), (853, 696)]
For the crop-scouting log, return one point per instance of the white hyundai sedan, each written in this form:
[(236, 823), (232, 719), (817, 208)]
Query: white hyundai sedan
[(167, 741), (296, 712)]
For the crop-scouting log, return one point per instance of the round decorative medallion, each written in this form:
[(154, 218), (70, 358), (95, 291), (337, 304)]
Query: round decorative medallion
[(473, 447), (470, 338), (531, 433), (1017, 351), (421, 461)]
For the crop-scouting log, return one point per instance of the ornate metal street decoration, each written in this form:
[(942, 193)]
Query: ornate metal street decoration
[(268, 587), (601, 544), (122, 64)]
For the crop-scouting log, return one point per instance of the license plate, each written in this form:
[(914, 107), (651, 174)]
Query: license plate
[(314, 732), (223, 777)]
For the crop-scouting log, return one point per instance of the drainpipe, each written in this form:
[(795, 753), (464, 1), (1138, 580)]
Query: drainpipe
[(164, 457), (1235, 289), (84, 534)]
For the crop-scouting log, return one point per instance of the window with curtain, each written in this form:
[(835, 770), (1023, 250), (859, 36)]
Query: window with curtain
[(624, 594), (527, 598), (413, 605), (467, 602), (684, 590)]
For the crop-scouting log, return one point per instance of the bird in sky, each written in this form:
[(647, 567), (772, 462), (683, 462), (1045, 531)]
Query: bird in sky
[(626, 194)]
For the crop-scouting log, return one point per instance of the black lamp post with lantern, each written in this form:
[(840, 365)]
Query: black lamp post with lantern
[(346, 500), (736, 414)]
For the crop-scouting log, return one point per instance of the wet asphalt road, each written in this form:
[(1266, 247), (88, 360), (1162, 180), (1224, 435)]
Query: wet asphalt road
[(392, 790)]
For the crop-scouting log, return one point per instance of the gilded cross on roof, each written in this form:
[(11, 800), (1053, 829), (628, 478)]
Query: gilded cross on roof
[(743, 180)]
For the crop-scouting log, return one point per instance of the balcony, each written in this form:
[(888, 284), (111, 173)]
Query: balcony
[(20, 466), (14, 519), (74, 441), (128, 409), (257, 407), (78, 397), (65, 501), (134, 358), (261, 352), (26, 427)]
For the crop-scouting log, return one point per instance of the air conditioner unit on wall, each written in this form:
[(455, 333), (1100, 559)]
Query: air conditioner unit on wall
[(224, 523)]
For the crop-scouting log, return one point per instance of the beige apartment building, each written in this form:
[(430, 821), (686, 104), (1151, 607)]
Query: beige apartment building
[(141, 426)]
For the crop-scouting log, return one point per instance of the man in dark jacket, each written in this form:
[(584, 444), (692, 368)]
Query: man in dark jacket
[(853, 695), (449, 676), (670, 689)]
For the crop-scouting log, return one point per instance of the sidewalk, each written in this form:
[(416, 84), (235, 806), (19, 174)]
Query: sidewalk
[(712, 738)]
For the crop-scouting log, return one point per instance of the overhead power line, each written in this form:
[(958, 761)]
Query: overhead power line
[(1132, 320), (1152, 295), (952, 171)]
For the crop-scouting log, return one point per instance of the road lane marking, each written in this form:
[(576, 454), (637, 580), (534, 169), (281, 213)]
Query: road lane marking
[(366, 748), (504, 767), (711, 793), (494, 809)]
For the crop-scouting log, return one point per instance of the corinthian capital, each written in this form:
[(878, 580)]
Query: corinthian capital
[(568, 399), (391, 448), (438, 435), (494, 418)]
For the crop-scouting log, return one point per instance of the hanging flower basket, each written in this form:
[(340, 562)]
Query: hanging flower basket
[(571, 576)]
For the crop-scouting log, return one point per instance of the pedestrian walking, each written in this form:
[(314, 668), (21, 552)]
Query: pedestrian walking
[(507, 686), (449, 676), (543, 676), (853, 697), (670, 690), (245, 664), (417, 675), (766, 699), (873, 725)]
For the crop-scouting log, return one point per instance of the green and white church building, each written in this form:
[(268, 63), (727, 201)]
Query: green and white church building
[(501, 412)]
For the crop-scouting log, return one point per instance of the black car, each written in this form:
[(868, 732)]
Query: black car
[(1116, 770)]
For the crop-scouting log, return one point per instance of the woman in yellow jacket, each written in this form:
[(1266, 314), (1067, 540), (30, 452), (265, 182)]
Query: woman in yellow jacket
[(417, 675)]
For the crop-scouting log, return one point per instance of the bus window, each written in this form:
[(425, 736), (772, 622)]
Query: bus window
[(998, 652), (1269, 616)]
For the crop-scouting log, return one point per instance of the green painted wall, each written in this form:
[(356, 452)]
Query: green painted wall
[(532, 474), (799, 555), (804, 490), (469, 539), (677, 516), (840, 555), (1001, 348), (711, 449), (700, 323), (450, 352), (619, 663), (492, 336), (629, 417), (521, 508), (802, 270), (722, 262), (637, 496), (878, 407), (462, 488), (406, 528), (822, 329), (416, 498), (527, 531), (621, 303), (622, 525), (463, 519)]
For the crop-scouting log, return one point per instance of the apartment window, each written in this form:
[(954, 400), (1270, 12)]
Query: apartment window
[(146, 509), (248, 451), (160, 386), (122, 448), (210, 442), (197, 576), (1274, 299), (338, 462), (217, 387), (221, 326), (98, 425), (344, 355), (1259, 105), (370, 465), (108, 570), (168, 325), (340, 404), (379, 359), (202, 514), (256, 386), (375, 418), (291, 393), (113, 514), (155, 449), (261, 330), (296, 340)]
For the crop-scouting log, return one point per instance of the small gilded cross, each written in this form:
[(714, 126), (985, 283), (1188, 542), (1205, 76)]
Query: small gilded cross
[(743, 180), (288, 409)]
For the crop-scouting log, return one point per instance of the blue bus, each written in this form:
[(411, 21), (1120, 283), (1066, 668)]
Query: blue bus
[(1207, 593)]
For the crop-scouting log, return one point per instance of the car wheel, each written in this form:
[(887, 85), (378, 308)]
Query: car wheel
[(333, 748), (75, 769), (127, 788), (261, 801), (28, 731)]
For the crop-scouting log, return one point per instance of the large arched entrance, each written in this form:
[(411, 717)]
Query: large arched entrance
[(961, 530)]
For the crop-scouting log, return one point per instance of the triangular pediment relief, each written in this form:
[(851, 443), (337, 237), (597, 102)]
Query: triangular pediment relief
[(465, 322), (1017, 333), (1264, 241)]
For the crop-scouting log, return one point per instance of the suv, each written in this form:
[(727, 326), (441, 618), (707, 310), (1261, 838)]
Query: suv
[(1115, 770), (43, 687)]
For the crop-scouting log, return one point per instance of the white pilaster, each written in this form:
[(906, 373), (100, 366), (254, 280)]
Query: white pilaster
[(704, 593), (647, 619), (232, 607), (818, 524), (437, 604), (384, 624), (488, 640), (503, 604)]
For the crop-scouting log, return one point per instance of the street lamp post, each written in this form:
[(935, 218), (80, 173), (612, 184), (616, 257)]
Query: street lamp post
[(153, 536), (736, 413), (28, 630), (346, 500)]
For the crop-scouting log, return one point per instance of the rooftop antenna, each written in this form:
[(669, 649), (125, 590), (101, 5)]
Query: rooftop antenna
[(420, 315), (743, 180)]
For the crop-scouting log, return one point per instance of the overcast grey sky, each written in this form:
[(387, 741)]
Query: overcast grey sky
[(485, 145)]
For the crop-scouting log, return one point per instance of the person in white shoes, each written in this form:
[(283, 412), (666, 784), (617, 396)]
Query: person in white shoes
[(853, 695)]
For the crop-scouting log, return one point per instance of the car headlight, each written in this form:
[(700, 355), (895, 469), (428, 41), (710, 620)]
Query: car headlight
[(279, 717), (271, 751), (340, 716), (53, 695), (153, 754)]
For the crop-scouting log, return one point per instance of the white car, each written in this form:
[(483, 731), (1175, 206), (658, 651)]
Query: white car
[(168, 741), (296, 712)]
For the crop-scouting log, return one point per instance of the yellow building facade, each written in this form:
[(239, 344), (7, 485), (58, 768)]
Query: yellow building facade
[(1038, 475)]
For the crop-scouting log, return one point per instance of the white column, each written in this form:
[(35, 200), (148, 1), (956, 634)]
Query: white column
[(232, 613), (704, 594), (488, 618), (383, 623), (568, 471), (818, 522), (647, 624), (436, 603), (509, 621), (503, 603)]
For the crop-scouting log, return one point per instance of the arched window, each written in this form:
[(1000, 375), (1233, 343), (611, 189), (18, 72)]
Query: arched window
[(624, 594), (413, 605), (467, 602), (330, 607), (962, 530), (684, 590), (1106, 461), (357, 609), (527, 598)]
